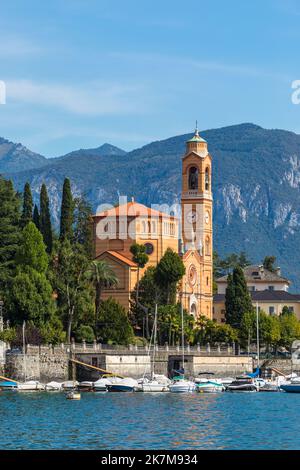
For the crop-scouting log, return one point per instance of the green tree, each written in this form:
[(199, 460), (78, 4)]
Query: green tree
[(32, 250), (83, 225), (219, 333), (45, 221), (169, 327), (9, 231), (269, 262), (30, 295), (85, 332), (247, 328), (69, 267), (27, 205), (140, 257), (67, 212), (169, 272), (237, 298), (289, 329), (113, 326), (148, 295), (102, 276), (269, 329), (36, 217)]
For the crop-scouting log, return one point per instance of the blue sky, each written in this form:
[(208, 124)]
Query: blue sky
[(83, 72)]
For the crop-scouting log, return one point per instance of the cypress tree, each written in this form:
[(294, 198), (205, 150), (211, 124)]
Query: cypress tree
[(67, 212), (45, 221), (36, 217), (9, 230), (27, 206), (237, 298)]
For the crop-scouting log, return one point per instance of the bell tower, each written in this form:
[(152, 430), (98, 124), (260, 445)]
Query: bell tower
[(197, 230)]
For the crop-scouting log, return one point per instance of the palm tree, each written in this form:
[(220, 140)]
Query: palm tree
[(102, 276)]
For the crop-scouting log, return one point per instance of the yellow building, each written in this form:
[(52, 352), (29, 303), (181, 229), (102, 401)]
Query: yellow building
[(117, 228), (267, 289)]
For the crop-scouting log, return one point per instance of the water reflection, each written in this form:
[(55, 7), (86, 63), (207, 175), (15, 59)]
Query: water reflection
[(159, 421)]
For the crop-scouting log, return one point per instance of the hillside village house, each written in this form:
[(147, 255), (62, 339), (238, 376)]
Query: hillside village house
[(117, 228), (268, 289)]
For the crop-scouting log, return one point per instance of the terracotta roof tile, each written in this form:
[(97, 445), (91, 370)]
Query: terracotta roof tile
[(120, 257), (134, 209)]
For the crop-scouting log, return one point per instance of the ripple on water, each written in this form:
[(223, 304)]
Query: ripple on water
[(157, 421)]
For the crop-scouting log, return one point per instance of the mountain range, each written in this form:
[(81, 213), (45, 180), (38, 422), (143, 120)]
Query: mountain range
[(256, 184)]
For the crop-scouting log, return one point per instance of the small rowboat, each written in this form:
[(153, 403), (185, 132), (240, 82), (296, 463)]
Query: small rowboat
[(73, 396)]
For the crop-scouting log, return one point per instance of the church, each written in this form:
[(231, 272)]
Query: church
[(190, 235)]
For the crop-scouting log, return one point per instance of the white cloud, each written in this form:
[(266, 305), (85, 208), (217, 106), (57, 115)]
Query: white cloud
[(86, 99)]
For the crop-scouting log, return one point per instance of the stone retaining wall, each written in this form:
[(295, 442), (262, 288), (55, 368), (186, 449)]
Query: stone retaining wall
[(43, 367)]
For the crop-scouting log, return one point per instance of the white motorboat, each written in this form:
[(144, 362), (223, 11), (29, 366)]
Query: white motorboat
[(53, 387), (157, 384), (30, 386), (85, 386), (101, 385), (182, 386), (210, 386), (123, 385), (260, 383), (70, 385)]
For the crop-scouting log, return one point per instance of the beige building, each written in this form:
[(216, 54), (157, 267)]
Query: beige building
[(117, 228), (267, 289)]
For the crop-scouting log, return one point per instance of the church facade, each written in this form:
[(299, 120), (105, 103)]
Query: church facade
[(190, 235)]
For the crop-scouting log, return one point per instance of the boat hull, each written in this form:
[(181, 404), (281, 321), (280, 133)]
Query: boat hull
[(150, 387), (290, 388), (119, 388), (210, 388), (182, 387), (241, 388), (8, 385)]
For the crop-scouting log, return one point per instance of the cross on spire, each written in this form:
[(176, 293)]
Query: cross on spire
[(196, 129)]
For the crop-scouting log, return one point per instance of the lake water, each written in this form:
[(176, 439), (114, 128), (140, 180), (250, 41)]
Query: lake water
[(150, 421)]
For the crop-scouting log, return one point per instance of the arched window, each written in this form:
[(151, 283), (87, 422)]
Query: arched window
[(193, 178), (207, 180), (149, 227)]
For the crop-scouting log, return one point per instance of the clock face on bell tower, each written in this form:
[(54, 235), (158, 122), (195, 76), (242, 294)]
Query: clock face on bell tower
[(197, 230)]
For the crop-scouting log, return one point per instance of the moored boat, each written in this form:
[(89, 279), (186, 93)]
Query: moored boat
[(101, 384), (30, 386), (156, 385), (85, 386), (292, 386), (123, 385), (73, 395), (210, 386), (242, 384), (269, 387), (69, 385), (53, 386), (8, 385), (181, 385)]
